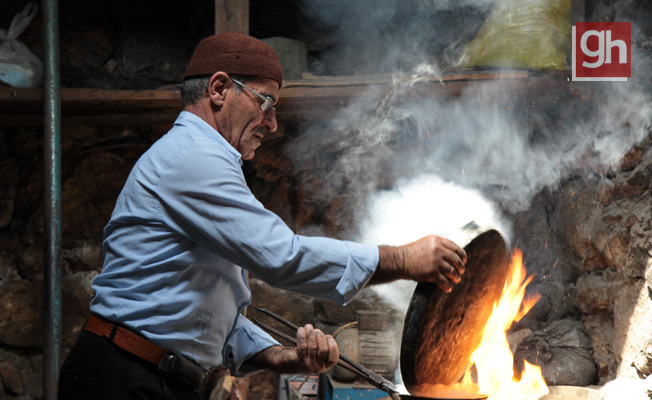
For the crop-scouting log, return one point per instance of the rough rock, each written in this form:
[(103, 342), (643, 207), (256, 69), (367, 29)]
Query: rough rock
[(9, 179), (601, 332), (89, 195), (632, 325), (76, 296), (596, 292), (21, 306), (576, 220), (573, 392), (643, 361), (30, 264), (80, 255), (11, 378), (149, 57), (29, 383), (561, 296), (638, 260), (8, 271), (627, 388)]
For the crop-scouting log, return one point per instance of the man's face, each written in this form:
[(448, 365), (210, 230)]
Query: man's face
[(242, 122)]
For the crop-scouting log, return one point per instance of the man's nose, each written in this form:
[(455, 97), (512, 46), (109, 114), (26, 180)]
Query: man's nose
[(269, 120)]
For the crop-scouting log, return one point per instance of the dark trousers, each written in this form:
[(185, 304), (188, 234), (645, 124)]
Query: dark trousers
[(96, 369)]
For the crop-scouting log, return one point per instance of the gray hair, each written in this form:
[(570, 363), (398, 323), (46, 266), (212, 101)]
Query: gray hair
[(194, 89)]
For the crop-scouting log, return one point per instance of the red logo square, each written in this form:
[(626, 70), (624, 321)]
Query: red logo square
[(602, 51)]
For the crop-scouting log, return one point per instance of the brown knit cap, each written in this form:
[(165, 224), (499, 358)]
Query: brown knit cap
[(234, 53)]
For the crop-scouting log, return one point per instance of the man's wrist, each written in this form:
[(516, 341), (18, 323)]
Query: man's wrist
[(391, 265), (278, 358)]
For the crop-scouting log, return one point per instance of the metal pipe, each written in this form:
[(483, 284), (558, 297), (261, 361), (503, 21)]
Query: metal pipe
[(52, 195)]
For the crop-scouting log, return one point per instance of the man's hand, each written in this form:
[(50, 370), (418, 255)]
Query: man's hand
[(315, 352), (429, 259)]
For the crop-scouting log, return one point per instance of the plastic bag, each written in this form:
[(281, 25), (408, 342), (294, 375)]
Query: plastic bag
[(532, 34), (563, 350), (18, 66)]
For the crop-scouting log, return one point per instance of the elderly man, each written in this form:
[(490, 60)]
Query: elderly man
[(168, 302)]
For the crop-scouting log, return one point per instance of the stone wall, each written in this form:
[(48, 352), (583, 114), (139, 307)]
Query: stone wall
[(588, 240), (589, 243), (92, 177)]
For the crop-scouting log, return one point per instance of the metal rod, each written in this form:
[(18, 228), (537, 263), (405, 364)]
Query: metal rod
[(52, 194), (292, 340), (368, 374), (344, 357), (275, 332)]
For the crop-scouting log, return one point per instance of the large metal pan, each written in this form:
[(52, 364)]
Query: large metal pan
[(442, 329)]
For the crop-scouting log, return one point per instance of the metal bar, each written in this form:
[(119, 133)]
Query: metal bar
[(52, 194), (292, 340), (370, 375), (344, 357)]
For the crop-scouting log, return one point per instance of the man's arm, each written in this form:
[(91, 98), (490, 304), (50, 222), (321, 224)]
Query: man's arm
[(432, 258), (315, 352), (429, 259)]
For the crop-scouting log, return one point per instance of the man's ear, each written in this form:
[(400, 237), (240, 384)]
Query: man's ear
[(216, 87)]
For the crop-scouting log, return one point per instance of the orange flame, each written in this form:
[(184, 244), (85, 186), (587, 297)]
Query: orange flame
[(491, 370), (493, 360)]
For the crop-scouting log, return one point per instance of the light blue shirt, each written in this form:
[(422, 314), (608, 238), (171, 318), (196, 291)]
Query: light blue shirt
[(182, 228)]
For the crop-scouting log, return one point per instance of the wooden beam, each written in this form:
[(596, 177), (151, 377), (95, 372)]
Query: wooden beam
[(232, 16), (81, 106), (305, 100)]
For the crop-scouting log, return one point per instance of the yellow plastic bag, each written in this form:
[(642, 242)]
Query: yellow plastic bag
[(532, 34)]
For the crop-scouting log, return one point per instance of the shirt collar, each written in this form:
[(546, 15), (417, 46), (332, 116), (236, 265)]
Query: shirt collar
[(188, 118)]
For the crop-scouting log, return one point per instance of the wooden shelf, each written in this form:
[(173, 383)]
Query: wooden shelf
[(24, 106), (309, 98)]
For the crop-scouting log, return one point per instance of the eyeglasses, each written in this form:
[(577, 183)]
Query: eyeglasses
[(267, 101)]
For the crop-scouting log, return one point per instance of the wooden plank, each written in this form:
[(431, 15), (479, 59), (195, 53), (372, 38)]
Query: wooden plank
[(308, 79), (299, 101), (94, 97), (91, 120), (377, 337), (24, 106), (379, 363), (232, 16)]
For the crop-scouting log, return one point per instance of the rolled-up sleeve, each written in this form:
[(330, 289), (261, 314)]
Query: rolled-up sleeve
[(246, 341), (360, 268)]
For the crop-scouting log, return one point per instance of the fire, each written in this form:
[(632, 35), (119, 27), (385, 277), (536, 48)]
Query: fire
[(492, 372)]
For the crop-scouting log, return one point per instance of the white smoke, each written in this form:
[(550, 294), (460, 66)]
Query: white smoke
[(406, 164), (424, 206), (428, 205)]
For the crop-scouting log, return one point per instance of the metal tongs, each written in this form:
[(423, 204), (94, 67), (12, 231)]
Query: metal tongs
[(344, 361)]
